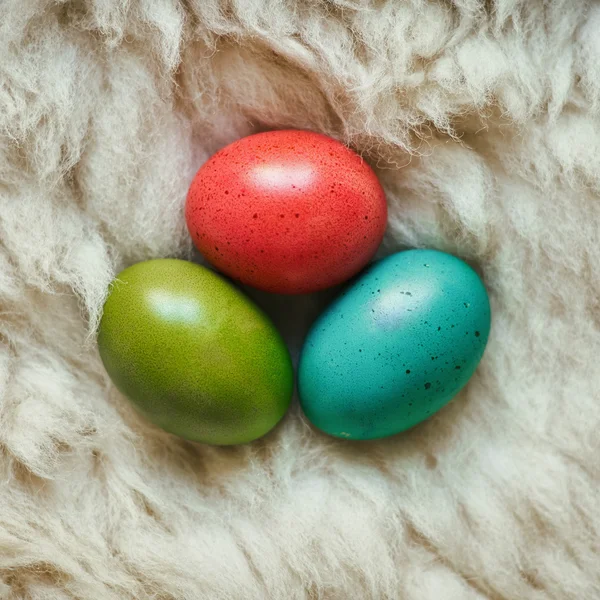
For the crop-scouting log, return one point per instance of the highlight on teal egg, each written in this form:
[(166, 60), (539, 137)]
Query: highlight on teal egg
[(395, 347)]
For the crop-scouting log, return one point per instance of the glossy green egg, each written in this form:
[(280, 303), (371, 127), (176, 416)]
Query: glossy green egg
[(395, 347), (194, 354)]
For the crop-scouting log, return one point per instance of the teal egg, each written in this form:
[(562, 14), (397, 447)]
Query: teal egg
[(395, 347)]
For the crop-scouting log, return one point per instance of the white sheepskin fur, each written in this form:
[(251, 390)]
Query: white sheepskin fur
[(482, 119)]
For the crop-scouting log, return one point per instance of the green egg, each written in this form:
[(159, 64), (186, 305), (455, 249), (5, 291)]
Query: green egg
[(194, 354)]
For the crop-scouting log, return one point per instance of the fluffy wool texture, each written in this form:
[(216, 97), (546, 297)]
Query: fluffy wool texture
[(482, 120)]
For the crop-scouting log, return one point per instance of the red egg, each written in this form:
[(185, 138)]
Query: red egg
[(288, 212)]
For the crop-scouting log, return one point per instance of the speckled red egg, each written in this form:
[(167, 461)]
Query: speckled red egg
[(288, 212)]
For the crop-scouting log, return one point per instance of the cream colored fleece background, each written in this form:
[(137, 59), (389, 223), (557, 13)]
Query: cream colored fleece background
[(482, 119)]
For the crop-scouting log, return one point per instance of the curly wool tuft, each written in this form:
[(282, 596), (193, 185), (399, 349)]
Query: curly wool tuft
[(482, 120)]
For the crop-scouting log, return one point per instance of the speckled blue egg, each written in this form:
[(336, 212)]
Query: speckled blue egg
[(395, 347)]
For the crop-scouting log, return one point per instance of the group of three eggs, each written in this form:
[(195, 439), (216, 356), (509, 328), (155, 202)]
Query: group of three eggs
[(292, 212)]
